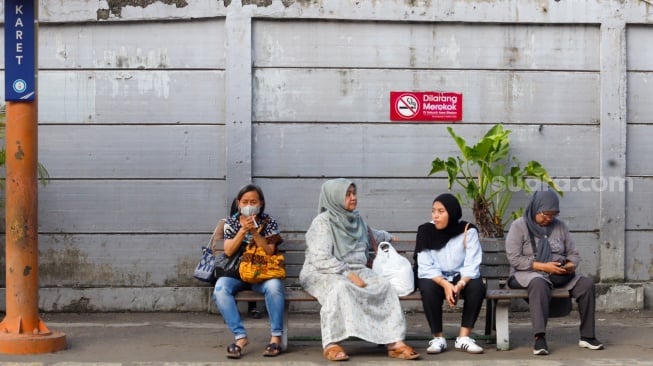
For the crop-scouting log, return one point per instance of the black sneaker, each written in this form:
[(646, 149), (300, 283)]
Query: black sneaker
[(591, 343), (540, 347)]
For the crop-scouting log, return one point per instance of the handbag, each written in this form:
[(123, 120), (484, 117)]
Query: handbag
[(257, 266), (394, 268), (228, 266), (210, 267), (204, 269)]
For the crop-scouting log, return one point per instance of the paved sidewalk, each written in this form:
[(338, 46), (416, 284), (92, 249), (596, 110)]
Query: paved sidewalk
[(193, 338)]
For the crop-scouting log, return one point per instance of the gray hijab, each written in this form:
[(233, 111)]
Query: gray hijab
[(539, 202), (347, 228)]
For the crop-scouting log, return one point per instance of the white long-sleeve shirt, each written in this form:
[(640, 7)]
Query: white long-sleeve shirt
[(452, 258)]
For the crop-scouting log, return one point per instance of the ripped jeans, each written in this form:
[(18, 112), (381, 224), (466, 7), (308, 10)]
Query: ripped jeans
[(223, 296)]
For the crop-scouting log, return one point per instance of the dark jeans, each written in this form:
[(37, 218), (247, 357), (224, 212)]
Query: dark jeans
[(433, 298)]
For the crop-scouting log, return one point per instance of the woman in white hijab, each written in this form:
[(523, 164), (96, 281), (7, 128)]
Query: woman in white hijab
[(356, 302), (542, 255)]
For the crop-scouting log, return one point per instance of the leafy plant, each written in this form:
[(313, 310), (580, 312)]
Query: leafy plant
[(489, 177)]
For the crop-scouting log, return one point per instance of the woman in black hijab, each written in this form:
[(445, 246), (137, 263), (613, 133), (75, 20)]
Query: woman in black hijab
[(542, 255), (448, 256)]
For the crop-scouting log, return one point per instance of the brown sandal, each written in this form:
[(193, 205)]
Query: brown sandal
[(272, 350), (234, 351), (404, 352), (331, 353)]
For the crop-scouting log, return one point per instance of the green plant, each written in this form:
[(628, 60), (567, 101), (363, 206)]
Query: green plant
[(43, 173), (490, 176)]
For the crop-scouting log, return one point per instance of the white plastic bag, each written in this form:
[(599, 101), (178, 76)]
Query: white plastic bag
[(394, 268)]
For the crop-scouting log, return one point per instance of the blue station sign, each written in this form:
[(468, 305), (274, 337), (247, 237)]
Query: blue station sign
[(20, 51)]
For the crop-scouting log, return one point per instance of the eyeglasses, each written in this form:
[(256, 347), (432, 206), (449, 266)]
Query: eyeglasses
[(550, 215)]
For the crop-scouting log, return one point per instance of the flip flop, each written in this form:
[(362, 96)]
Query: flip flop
[(331, 353), (234, 351), (272, 350)]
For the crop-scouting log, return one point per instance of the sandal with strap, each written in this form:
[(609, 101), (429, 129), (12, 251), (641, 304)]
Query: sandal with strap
[(272, 350), (404, 353), (234, 351), (335, 353)]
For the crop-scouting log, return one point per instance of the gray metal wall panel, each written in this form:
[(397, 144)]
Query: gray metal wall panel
[(639, 208), (639, 257), (640, 47), (640, 89), (121, 260), (425, 45), (399, 150), (639, 150), (526, 11), (362, 95), (131, 96), (587, 245), (177, 45), (131, 206), (133, 151)]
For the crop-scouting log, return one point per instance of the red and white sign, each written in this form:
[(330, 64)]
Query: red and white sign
[(426, 106)]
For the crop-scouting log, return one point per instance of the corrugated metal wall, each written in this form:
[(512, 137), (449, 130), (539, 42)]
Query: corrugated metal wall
[(151, 119)]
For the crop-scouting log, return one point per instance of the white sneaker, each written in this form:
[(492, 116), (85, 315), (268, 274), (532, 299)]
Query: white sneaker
[(468, 345), (436, 345)]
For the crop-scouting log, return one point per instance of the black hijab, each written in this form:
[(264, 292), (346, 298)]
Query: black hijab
[(429, 237), (541, 201)]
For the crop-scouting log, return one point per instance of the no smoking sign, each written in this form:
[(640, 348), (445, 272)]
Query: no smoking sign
[(426, 106), (407, 106)]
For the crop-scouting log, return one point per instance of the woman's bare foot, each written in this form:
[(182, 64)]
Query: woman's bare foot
[(242, 342), (396, 345)]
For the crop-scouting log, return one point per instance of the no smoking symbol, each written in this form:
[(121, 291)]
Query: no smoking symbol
[(407, 106)]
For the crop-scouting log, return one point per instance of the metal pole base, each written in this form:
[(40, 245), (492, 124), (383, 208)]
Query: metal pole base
[(42, 340)]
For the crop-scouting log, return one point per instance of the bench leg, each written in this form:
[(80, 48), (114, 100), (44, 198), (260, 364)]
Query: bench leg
[(489, 318), (501, 310), (284, 337)]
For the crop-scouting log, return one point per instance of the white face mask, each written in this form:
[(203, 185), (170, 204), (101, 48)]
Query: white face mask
[(249, 210)]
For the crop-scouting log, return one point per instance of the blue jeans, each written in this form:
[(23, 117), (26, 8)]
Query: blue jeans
[(223, 295)]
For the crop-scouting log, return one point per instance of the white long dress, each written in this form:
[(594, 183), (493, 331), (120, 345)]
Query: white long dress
[(372, 313)]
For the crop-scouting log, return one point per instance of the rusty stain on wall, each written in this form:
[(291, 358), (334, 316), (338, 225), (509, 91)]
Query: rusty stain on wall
[(115, 6), (259, 3), (266, 3), (81, 305)]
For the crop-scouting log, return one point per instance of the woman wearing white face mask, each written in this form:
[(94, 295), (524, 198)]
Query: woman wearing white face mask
[(250, 224)]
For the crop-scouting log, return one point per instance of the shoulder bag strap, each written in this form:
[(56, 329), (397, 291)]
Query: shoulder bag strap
[(217, 236), (533, 244), (465, 237), (371, 239)]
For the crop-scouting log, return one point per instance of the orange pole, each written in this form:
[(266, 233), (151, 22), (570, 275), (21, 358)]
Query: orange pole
[(22, 331)]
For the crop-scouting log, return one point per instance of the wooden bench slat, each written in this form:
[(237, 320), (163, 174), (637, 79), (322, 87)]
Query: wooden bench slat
[(507, 294), (495, 259)]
